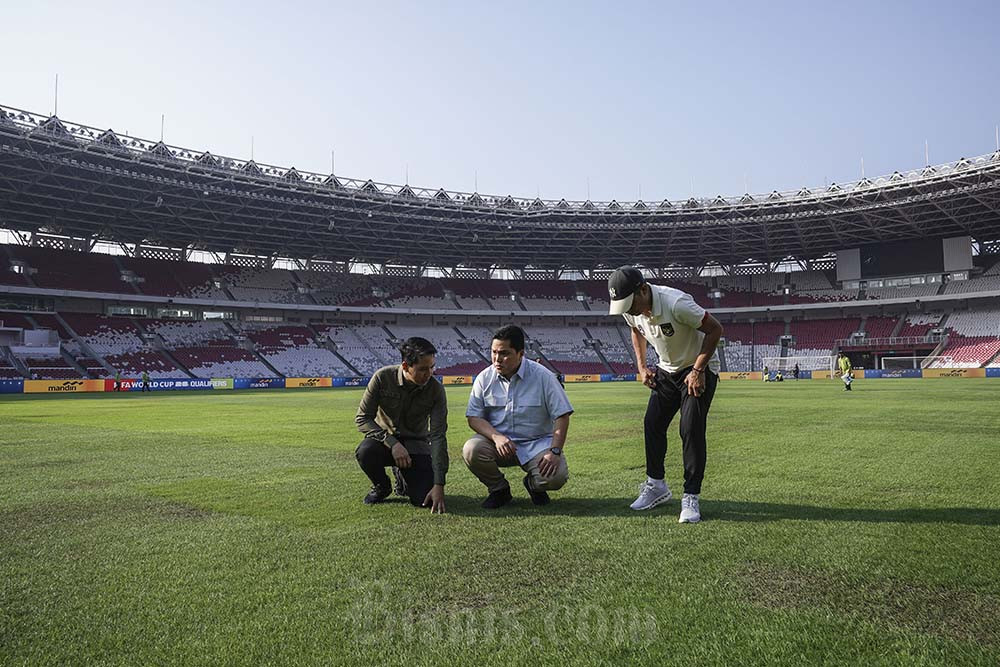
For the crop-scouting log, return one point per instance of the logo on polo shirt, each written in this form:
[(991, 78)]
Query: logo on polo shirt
[(667, 329)]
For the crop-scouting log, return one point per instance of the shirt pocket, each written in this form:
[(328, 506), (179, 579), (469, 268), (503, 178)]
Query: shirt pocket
[(495, 401), (530, 399), (390, 402)]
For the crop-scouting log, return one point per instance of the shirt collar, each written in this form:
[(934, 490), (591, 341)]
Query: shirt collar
[(657, 305), (520, 373)]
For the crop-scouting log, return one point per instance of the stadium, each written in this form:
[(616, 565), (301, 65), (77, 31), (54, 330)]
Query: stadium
[(300, 281), (254, 411)]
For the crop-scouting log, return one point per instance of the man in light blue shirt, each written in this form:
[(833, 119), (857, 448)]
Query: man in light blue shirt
[(520, 414)]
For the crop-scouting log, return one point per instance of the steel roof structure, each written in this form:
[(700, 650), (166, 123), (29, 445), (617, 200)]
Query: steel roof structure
[(71, 179)]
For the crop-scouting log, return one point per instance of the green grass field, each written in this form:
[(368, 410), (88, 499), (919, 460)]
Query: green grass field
[(227, 528)]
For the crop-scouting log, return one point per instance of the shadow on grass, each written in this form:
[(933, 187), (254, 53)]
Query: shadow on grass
[(732, 510)]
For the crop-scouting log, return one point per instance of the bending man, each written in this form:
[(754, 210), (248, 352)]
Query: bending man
[(685, 338)]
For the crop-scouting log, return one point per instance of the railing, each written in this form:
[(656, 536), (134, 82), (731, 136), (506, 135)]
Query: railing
[(890, 342)]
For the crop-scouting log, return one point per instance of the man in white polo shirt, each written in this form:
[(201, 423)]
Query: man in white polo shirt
[(685, 338)]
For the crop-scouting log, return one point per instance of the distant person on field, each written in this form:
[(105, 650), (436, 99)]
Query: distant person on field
[(404, 417), (118, 381), (766, 376), (685, 338), (520, 414), (145, 381), (795, 372), (844, 366)]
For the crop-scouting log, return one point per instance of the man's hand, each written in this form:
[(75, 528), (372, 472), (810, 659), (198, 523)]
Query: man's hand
[(435, 499), (401, 456), (695, 382), (549, 464), (505, 446), (647, 376)]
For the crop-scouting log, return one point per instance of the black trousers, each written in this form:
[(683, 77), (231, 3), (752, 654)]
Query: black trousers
[(669, 396), (374, 457)]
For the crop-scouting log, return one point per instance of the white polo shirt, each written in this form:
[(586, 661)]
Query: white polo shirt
[(672, 329)]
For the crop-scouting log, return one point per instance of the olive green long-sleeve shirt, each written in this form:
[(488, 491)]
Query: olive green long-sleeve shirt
[(394, 409)]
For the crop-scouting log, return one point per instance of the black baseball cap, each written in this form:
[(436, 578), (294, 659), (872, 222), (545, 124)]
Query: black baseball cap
[(622, 285)]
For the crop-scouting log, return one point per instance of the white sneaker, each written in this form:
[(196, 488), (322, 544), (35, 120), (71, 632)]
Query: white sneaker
[(690, 512), (651, 494)]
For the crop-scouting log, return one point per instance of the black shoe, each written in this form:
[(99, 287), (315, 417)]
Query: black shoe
[(399, 485), (498, 499), (377, 494), (537, 497)]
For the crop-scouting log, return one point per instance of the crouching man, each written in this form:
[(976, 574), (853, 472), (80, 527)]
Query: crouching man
[(520, 414), (404, 417)]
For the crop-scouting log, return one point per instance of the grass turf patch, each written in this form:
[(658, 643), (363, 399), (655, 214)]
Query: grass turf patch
[(227, 528)]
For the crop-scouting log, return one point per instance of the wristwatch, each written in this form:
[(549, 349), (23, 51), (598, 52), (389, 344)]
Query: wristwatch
[(556, 450)]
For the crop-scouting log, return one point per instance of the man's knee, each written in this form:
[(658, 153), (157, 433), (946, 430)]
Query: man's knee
[(474, 449), (555, 482), (367, 449)]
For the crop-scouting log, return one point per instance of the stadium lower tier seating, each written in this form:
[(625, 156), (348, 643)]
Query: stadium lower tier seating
[(133, 364), (50, 368), (967, 351), (95, 345), (221, 361)]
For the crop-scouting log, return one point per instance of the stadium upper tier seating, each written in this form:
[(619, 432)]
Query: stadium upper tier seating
[(66, 269), (920, 324), (880, 327)]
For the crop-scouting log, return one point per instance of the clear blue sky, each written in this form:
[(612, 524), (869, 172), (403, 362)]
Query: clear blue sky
[(537, 97)]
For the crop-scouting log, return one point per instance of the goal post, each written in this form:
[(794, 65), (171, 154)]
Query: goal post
[(925, 361), (810, 363)]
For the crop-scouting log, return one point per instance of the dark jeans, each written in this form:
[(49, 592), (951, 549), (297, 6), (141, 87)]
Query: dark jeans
[(669, 396), (374, 457)]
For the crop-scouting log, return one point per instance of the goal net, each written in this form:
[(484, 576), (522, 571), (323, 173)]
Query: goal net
[(927, 361), (787, 364)]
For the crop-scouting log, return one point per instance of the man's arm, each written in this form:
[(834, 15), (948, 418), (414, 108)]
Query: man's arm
[(550, 462), (505, 446), (643, 374), (712, 329), (439, 451), (365, 419), (438, 441)]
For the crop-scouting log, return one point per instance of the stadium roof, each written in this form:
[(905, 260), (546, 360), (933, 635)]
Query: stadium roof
[(71, 179)]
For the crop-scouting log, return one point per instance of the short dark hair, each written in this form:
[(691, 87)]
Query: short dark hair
[(414, 349), (513, 334)]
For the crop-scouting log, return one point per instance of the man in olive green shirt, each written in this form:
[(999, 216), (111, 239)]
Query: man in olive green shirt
[(404, 417)]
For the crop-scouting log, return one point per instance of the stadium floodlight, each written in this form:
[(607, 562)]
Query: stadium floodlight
[(926, 361), (809, 363)]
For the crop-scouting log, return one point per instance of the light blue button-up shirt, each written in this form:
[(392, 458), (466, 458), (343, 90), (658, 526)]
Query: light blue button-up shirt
[(523, 408)]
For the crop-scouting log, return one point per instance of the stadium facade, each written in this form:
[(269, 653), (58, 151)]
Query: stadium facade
[(918, 271)]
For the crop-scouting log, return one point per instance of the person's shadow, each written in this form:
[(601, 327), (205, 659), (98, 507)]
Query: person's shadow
[(729, 510)]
